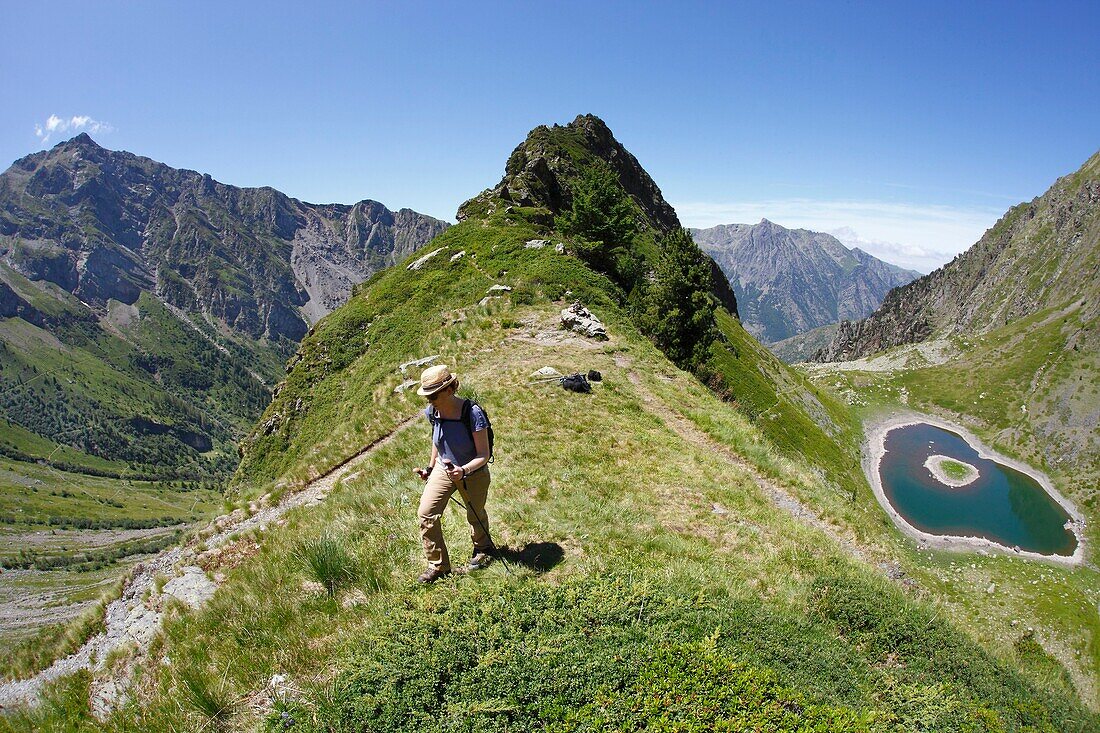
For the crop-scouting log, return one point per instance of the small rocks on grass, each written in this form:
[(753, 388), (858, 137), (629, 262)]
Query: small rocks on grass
[(547, 372), (458, 255), (719, 509), (578, 318), (424, 260), (499, 289), (405, 385), (313, 587), (418, 362), (540, 243)]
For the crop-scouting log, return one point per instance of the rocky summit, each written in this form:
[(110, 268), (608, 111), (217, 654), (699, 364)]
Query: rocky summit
[(790, 281), (541, 172)]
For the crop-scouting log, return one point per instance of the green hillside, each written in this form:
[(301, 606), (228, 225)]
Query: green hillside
[(682, 552)]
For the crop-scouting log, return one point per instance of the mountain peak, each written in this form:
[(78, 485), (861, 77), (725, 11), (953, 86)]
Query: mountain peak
[(83, 140), (790, 281), (542, 170)]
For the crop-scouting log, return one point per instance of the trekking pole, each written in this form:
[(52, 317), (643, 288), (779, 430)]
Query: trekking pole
[(483, 527)]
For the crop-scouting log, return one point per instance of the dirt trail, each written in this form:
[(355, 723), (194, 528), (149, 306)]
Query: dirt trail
[(777, 494), (132, 620)]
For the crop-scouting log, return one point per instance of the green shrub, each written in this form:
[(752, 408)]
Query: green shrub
[(609, 653)]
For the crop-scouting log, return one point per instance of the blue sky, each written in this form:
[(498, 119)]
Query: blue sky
[(908, 127)]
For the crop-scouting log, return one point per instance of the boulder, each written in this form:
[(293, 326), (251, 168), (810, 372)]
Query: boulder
[(578, 318), (424, 361), (424, 260)]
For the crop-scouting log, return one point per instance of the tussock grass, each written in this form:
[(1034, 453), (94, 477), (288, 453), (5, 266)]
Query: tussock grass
[(210, 699), (327, 561)]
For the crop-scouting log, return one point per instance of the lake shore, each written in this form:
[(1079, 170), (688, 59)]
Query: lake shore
[(874, 448)]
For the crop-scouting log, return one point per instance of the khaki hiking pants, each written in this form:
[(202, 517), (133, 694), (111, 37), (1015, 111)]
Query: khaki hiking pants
[(433, 502)]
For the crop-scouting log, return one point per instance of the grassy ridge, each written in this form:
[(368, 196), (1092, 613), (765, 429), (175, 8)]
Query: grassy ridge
[(636, 572)]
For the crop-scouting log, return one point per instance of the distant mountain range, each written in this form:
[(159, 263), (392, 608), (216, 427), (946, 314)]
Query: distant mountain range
[(144, 310), (790, 281)]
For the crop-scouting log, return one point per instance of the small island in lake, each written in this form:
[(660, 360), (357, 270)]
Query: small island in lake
[(950, 471)]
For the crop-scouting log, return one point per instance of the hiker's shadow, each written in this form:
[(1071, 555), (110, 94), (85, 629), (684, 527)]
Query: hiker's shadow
[(536, 556)]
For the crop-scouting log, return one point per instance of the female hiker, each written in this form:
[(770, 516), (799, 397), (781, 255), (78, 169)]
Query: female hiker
[(459, 462)]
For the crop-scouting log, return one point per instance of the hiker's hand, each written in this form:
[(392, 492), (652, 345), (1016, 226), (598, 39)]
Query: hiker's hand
[(455, 473), (422, 473)]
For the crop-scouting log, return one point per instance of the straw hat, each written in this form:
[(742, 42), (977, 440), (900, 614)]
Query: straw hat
[(434, 379)]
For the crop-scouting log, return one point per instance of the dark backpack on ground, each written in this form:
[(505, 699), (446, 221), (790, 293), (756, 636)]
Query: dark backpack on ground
[(467, 419), (576, 383)]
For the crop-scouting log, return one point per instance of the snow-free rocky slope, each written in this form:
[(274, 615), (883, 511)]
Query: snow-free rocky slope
[(156, 306), (672, 559), (790, 281)]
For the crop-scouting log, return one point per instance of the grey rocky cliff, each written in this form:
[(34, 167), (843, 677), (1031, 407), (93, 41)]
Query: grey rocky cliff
[(177, 298), (1040, 254), (104, 225), (790, 281)]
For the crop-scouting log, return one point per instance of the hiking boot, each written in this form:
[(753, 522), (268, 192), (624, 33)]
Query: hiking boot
[(481, 558), (433, 574)]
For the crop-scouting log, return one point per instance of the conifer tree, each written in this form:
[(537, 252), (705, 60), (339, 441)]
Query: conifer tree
[(680, 312), (601, 218)]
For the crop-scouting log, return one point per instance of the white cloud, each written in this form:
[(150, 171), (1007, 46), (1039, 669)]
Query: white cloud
[(77, 123), (920, 237)]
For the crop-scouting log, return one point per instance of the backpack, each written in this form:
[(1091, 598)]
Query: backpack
[(576, 383), (467, 419)]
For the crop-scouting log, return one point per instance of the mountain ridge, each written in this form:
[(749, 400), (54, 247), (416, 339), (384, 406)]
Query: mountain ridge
[(155, 279), (1037, 255), (790, 281)]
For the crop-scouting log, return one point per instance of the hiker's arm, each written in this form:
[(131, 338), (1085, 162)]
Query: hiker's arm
[(435, 455), (481, 444)]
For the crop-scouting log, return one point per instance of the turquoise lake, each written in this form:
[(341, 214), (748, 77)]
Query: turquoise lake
[(1002, 505)]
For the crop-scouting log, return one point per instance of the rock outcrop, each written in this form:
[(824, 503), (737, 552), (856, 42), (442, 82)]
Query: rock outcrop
[(578, 318)]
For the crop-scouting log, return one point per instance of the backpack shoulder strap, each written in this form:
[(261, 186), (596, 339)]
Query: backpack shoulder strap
[(468, 418)]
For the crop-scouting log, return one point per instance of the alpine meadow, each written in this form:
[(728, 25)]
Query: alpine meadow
[(695, 543)]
